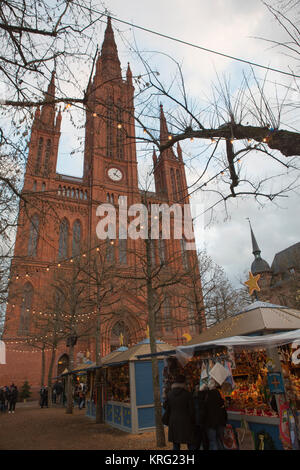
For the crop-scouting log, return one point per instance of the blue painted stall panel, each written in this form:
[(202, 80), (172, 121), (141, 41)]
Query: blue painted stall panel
[(108, 413), (117, 415), (127, 417), (146, 417), (143, 381)]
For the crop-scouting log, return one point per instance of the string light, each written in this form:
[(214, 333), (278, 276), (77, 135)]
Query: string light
[(119, 126), (170, 137)]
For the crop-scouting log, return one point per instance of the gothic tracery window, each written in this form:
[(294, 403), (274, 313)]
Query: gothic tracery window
[(109, 128), (39, 155), (63, 239), (173, 183), (47, 157), (76, 238), (33, 236), (120, 136)]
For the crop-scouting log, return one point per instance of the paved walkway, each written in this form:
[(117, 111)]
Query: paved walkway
[(33, 428)]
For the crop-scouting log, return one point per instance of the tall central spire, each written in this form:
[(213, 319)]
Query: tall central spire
[(110, 63)]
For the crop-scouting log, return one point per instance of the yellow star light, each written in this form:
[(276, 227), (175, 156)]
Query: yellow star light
[(187, 336), (252, 283)]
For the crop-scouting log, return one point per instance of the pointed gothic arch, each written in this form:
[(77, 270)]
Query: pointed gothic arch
[(76, 238), (33, 236), (63, 248)]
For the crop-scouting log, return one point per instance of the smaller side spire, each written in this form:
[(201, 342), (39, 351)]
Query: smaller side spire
[(179, 152), (129, 75), (164, 133), (259, 265), (255, 248), (48, 109), (58, 121)]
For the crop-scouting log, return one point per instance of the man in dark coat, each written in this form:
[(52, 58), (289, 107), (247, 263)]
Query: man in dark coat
[(44, 396), (12, 398), (201, 438), (215, 417), (181, 415)]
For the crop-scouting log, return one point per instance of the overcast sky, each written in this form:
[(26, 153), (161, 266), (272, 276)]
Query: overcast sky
[(231, 27)]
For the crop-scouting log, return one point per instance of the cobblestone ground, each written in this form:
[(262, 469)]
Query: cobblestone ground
[(32, 428)]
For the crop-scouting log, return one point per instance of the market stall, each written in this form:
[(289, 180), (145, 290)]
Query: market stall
[(128, 390), (260, 371)]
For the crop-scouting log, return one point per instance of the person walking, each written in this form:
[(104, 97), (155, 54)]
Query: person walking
[(12, 398), (2, 399), (44, 397), (215, 416), (180, 407), (201, 439)]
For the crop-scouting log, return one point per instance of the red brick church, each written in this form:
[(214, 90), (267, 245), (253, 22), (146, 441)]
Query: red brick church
[(57, 222)]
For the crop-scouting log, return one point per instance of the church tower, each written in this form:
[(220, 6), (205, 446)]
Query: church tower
[(58, 218)]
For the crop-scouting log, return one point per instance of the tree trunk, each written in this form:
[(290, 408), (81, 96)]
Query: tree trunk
[(43, 367), (50, 373), (159, 427), (99, 374), (69, 409)]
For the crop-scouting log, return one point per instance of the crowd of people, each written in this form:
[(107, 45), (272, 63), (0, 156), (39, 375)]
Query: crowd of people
[(8, 398), (197, 420)]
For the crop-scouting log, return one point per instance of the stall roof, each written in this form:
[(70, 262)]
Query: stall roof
[(137, 350), (259, 316), (277, 339)]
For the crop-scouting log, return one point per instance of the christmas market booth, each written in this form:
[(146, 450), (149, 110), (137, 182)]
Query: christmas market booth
[(255, 358), (128, 390)]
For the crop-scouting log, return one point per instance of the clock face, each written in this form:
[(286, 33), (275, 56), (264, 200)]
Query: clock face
[(115, 174)]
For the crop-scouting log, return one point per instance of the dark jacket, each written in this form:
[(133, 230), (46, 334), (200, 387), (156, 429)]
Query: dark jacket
[(12, 394), (215, 414), (182, 415), (200, 406)]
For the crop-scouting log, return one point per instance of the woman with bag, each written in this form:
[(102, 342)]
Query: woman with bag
[(180, 413)]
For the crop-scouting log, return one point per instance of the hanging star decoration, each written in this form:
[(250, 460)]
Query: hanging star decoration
[(252, 283), (121, 339), (187, 336)]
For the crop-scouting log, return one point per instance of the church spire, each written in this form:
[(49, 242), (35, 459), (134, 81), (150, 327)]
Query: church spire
[(255, 248), (259, 265), (47, 116), (164, 133), (110, 63)]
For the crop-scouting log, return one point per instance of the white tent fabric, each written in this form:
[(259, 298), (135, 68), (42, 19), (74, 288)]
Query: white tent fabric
[(278, 339), (2, 353)]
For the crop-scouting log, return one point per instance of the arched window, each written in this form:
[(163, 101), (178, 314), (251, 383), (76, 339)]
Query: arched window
[(63, 239), (76, 238), (179, 185), (47, 157), (109, 128), (33, 236), (26, 308), (120, 136), (119, 334), (39, 155), (173, 183), (184, 255)]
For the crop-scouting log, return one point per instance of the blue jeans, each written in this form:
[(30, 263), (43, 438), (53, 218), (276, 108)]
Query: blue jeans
[(215, 438)]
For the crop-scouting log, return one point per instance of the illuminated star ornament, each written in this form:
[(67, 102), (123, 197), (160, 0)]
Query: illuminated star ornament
[(187, 336), (252, 283)]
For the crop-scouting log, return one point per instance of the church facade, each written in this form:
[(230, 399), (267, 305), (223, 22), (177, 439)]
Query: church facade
[(58, 218)]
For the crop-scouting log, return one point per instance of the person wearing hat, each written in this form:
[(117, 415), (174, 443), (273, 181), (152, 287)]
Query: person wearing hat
[(215, 416), (181, 411)]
